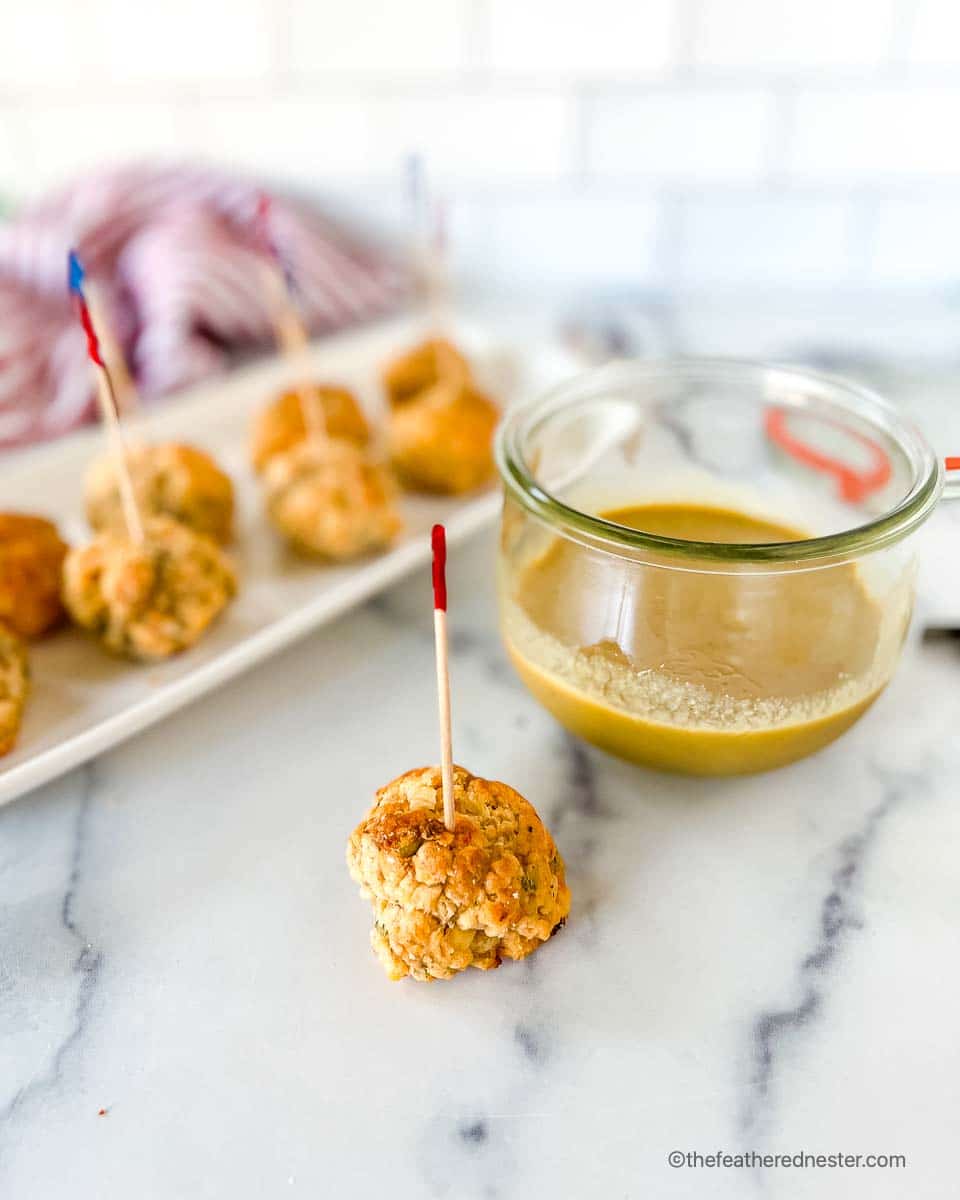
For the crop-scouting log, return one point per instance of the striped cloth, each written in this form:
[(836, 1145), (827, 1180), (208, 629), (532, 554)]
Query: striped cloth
[(176, 260)]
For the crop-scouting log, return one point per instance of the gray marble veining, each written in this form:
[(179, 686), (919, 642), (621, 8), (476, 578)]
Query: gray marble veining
[(768, 963)]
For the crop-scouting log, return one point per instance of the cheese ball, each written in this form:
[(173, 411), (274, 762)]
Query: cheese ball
[(151, 600), (443, 441), (330, 499), (14, 683), (494, 888), (433, 361), (31, 559), (169, 479), (281, 425)]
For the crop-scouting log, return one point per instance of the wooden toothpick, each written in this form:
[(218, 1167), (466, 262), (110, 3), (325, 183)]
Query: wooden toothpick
[(125, 390), (438, 276), (288, 328), (118, 452), (430, 245), (439, 542), (107, 399)]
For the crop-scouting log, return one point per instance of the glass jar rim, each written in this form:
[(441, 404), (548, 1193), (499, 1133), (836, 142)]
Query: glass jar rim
[(830, 390)]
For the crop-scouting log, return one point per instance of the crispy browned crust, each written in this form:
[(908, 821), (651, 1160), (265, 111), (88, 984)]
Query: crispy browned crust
[(443, 901), (420, 368), (14, 685), (330, 499), (31, 560), (152, 600), (170, 479), (281, 426), (443, 441)]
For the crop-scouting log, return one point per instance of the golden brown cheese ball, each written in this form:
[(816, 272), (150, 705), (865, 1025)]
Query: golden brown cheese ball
[(443, 441), (281, 425), (433, 361), (151, 600), (494, 888), (329, 498), (14, 683), (169, 479), (31, 560)]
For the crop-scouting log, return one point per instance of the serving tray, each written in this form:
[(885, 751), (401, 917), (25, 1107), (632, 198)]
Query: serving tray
[(82, 700)]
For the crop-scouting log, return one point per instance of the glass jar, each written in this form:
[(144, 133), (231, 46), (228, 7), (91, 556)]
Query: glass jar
[(732, 650)]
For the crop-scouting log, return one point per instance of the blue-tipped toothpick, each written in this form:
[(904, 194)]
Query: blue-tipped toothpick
[(107, 398)]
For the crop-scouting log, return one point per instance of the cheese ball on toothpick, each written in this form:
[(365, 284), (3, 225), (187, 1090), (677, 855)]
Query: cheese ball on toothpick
[(151, 598), (328, 498), (14, 684), (169, 479), (428, 363), (31, 559), (460, 871), (282, 425), (443, 440), (493, 888), (152, 588)]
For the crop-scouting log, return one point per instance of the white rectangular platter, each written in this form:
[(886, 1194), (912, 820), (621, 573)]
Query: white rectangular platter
[(82, 700)]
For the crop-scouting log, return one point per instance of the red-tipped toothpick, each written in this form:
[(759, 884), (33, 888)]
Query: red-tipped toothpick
[(287, 326), (430, 244), (107, 398), (439, 541)]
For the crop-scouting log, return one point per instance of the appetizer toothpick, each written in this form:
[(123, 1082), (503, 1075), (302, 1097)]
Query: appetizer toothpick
[(128, 397), (430, 244), (497, 883), (287, 326), (439, 542), (107, 398)]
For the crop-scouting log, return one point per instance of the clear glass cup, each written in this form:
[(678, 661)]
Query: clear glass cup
[(710, 657)]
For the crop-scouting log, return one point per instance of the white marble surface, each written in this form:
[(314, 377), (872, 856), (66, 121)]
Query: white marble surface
[(766, 964)]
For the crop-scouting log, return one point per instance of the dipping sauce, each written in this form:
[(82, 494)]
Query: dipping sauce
[(702, 671)]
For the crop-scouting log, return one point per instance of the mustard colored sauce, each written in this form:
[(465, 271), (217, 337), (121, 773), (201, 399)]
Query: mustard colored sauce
[(700, 672)]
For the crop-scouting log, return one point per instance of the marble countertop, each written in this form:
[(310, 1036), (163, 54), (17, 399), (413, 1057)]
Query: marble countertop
[(189, 1006)]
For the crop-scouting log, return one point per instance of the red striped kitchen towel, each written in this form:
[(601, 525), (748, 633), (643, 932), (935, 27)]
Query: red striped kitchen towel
[(174, 254)]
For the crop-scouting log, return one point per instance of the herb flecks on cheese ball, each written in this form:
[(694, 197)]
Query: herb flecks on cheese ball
[(328, 498), (169, 479), (443, 901), (148, 600)]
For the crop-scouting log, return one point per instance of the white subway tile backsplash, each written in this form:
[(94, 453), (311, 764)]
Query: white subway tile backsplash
[(697, 134), (303, 140), (179, 41), (370, 37), (781, 34), (63, 139), (574, 240), (567, 37), (882, 131), (757, 241), (462, 136), (935, 33), (483, 137), (38, 44), (63, 45), (607, 143), (915, 241)]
